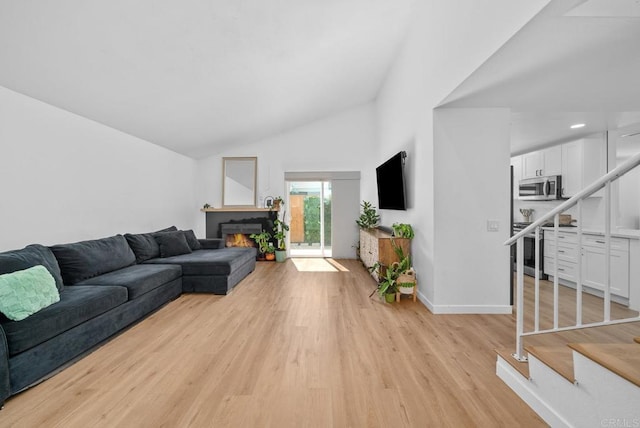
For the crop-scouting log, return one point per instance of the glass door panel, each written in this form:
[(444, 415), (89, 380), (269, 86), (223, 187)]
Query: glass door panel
[(310, 221)]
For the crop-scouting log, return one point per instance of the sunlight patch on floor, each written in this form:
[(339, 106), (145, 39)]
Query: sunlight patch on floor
[(317, 265)]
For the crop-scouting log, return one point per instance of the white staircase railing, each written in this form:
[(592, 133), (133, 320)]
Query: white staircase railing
[(518, 239)]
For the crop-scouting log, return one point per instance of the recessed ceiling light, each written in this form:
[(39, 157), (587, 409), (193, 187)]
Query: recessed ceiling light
[(577, 125)]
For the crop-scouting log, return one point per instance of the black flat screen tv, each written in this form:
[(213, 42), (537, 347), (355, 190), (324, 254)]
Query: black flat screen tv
[(391, 188)]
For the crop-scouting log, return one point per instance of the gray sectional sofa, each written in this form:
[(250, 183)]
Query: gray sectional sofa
[(104, 286)]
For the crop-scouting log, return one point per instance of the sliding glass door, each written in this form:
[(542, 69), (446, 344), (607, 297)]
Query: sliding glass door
[(310, 218)]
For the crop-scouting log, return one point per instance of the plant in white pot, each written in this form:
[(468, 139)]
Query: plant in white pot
[(406, 280), (280, 233)]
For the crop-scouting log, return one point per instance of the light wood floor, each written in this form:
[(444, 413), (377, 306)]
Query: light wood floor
[(287, 348)]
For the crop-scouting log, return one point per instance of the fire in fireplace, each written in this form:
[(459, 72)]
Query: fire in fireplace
[(239, 240), (237, 234)]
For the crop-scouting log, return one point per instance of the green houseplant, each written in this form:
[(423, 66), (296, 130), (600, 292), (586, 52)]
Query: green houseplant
[(390, 278), (369, 217), (402, 230), (262, 239), (280, 233)]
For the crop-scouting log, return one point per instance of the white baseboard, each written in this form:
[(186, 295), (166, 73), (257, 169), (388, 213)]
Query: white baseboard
[(464, 309)]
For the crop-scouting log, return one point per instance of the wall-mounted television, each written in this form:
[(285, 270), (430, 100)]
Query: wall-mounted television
[(391, 188)]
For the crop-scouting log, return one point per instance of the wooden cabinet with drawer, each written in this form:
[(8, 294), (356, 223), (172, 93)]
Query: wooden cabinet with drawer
[(377, 246)]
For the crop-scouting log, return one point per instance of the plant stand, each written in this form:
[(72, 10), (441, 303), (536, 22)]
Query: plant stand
[(408, 277)]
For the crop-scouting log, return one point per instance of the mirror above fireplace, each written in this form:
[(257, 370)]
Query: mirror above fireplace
[(239, 181)]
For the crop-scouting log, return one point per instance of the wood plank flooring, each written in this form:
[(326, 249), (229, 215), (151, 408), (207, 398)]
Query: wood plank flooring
[(287, 348)]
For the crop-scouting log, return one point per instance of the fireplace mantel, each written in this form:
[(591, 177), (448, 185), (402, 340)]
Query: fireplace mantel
[(235, 210)]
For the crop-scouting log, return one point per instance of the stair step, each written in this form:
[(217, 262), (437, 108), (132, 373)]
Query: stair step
[(621, 358), (637, 339), (521, 366), (558, 358)]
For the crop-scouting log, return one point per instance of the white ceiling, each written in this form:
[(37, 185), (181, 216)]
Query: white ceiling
[(196, 76), (576, 62)]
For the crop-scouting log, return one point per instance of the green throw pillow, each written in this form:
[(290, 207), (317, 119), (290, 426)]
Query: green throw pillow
[(25, 292)]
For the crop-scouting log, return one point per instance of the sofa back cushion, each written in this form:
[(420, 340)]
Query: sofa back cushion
[(193, 242), (172, 243), (143, 245), (82, 260), (30, 256)]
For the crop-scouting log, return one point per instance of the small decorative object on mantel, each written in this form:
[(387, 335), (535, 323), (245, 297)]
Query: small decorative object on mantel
[(277, 202), (268, 202), (205, 206)]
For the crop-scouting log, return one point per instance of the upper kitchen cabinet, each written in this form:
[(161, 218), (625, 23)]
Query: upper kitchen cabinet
[(542, 163), (516, 163), (583, 162)]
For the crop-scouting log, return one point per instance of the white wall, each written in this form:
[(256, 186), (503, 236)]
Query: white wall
[(473, 146), (346, 141), (64, 178), (446, 42)]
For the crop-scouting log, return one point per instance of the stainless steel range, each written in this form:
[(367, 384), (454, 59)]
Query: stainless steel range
[(529, 250)]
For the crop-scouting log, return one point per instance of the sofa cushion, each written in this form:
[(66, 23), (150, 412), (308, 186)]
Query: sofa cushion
[(138, 279), (77, 304), (210, 262), (172, 243), (144, 246), (25, 292), (167, 229), (82, 260), (193, 242), (31, 255)]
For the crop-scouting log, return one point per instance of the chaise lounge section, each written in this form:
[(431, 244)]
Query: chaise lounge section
[(105, 285)]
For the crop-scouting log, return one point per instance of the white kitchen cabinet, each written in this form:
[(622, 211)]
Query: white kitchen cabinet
[(542, 163), (593, 270), (592, 253), (516, 163), (567, 255), (583, 162)]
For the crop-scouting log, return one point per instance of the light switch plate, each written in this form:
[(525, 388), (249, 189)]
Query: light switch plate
[(493, 226)]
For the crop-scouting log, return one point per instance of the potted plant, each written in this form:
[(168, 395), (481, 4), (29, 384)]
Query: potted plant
[(369, 217), (394, 278), (406, 276), (387, 288), (270, 254), (402, 230), (280, 233), (262, 239)]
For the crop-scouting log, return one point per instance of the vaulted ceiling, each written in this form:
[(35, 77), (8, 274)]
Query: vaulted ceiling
[(197, 75)]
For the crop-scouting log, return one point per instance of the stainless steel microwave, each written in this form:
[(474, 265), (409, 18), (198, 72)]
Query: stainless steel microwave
[(541, 188)]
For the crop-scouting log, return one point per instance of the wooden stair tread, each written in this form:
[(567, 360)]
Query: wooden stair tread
[(637, 339), (621, 358), (521, 366), (558, 358)]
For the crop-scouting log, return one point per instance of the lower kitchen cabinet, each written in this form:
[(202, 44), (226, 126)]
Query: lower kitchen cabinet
[(592, 255), (593, 270)]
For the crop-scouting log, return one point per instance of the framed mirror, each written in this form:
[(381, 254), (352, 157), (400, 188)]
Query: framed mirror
[(239, 181)]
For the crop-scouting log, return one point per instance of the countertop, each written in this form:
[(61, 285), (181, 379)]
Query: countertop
[(618, 233)]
